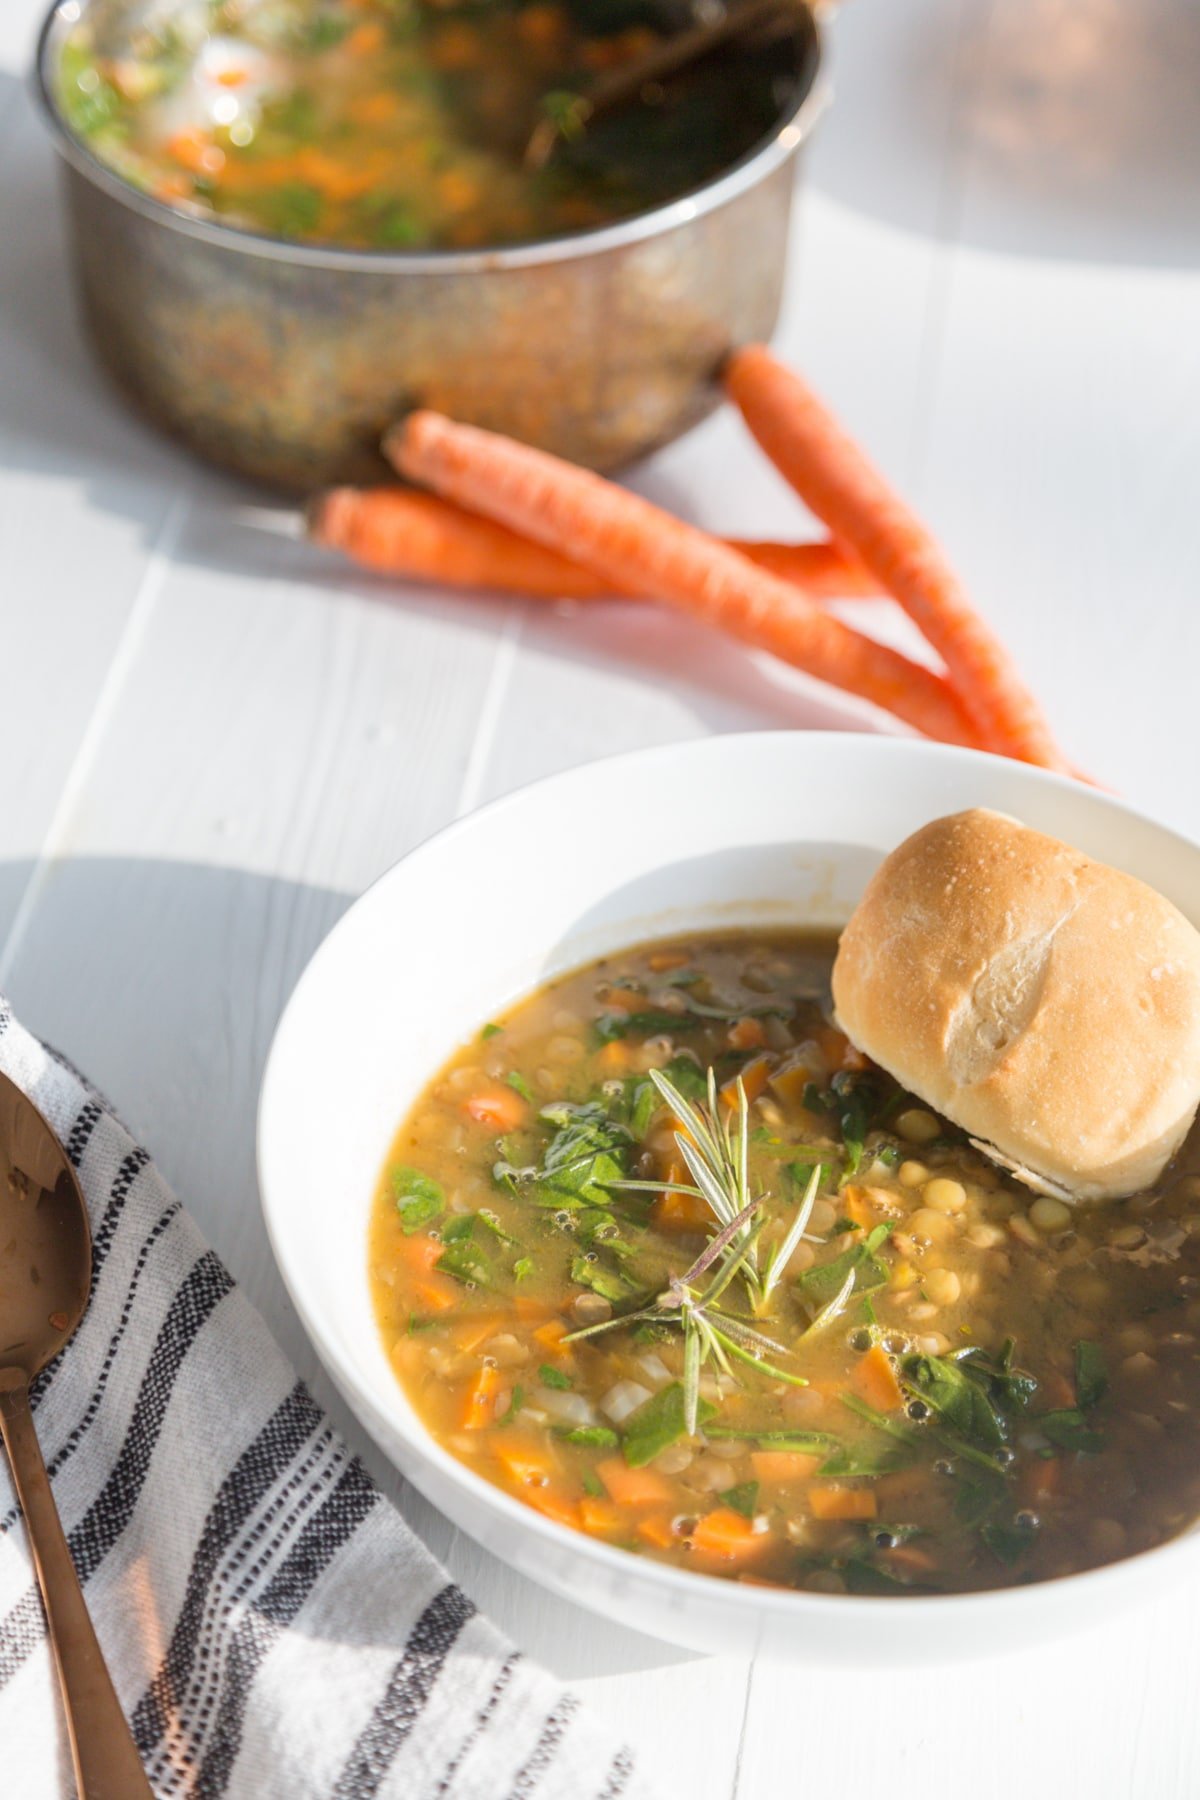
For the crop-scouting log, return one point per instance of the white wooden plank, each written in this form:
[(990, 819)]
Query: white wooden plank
[(85, 501)]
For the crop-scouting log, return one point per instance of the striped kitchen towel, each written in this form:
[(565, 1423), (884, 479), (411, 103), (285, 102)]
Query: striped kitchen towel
[(273, 1626)]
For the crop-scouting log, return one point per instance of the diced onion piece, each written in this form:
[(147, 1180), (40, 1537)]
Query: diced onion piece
[(564, 1406), (622, 1399), (654, 1369)]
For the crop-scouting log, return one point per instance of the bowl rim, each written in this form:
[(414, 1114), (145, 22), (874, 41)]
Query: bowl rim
[(794, 126), (783, 1604)]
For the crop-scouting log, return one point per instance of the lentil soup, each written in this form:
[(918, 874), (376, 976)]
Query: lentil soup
[(777, 1322), (400, 124)]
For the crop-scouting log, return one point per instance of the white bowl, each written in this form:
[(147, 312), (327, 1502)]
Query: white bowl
[(779, 828)]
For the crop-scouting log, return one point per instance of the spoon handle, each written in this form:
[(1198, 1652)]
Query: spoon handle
[(107, 1765)]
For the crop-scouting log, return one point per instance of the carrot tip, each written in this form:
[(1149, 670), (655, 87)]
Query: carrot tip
[(327, 516)]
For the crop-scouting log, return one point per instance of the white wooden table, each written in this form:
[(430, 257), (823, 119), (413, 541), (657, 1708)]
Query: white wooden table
[(213, 738)]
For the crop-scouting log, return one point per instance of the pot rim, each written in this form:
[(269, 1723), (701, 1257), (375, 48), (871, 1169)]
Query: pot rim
[(786, 137)]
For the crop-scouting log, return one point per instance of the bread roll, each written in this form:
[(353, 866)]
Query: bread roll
[(1045, 1003)]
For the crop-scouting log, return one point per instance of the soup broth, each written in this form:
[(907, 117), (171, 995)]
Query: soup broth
[(400, 124), (866, 1361)]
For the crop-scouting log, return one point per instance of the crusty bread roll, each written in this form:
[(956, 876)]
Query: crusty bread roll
[(1047, 1004)]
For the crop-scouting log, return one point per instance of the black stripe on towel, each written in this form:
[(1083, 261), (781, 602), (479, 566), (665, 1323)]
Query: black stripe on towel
[(411, 1682), (263, 1463), (328, 1530), (546, 1748)]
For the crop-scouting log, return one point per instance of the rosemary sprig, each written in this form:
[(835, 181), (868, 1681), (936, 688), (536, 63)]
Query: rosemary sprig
[(716, 1151)]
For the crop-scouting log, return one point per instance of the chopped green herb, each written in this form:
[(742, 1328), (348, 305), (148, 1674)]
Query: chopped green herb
[(1068, 1428), (516, 1401), (592, 1485), (553, 1378), (522, 1268), (658, 1423), (466, 1262), (519, 1085), (822, 1283), (594, 1437), (743, 1498), (603, 1281), (490, 1031), (419, 1199), (1091, 1373), (1008, 1543)]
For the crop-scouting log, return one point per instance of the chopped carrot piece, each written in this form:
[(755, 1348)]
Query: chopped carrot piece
[(662, 960), (366, 38), (500, 1108), (840, 1053), (911, 1556), (779, 1467), (528, 1309), (656, 1529), (681, 1212), (472, 1331), (479, 1406), (746, 1034), (615, 1058), (633, 1487), (527, 1461), (875, 1380), (1040, 1480), (552, 1503), (645, 551), (550, 1336), (753, 1079), (856, 1207), (829, 1501), (626, 1000), (419, 1253), (792, 1082), (602, 1515), (728, 1537), (436, 1294)]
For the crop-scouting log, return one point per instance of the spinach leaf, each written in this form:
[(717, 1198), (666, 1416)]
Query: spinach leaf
[(743, 1498), (488, 1219), (553, 1378), (603, 1281), (961, 1402), (583, 1157), (490, 1031), (862, 1576), (814, 1443), (593, 1437), (1008, 1543), (1091, 1373), (865, 1458), (1010, 1388), (1068, 1428), (612, 1025), (658, 1423), (466, 1262), (461, 1226), (821, 1283), (522, 1268), (519, 1085), (419, 1199), (904, 1434), (853, 1099), (977, 1496)]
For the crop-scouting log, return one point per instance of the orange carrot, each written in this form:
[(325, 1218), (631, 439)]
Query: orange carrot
[(657, 1529), (829, 1501), (602, 1515), (781, 1467), (645, 551), (399, 532), (633, 1487), (727, 1536), (746, 1034), (497, 1106), (550, 1336), (835, 480), (875, 1380), (479, 1402), (753, 1079)]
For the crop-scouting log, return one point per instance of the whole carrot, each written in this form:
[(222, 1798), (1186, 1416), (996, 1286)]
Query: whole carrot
[(400, 532), (835, 479), (644, 551)]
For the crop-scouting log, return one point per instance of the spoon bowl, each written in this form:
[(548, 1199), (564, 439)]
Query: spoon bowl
[(45, 1280)]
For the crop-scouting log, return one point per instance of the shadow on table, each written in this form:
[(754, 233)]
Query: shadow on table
[(1058, 129), (163, 982)]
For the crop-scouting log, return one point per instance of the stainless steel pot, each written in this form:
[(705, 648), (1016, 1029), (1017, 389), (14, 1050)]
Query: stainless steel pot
[(286, 361)]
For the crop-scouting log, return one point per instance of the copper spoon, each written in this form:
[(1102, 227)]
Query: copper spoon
[(45, 1277)]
